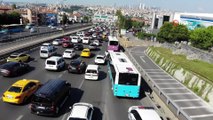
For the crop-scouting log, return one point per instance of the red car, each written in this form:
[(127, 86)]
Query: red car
[(66, 39), (67, 44)]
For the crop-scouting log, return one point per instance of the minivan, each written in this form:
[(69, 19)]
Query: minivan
[(55, 63), (50, 97), (92, 72), (47, 52)]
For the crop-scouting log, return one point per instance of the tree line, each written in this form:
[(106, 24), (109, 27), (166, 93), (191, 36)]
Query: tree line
[(10, 18), (200, 37)]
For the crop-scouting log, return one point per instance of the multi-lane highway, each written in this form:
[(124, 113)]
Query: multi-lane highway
[(98, 93)]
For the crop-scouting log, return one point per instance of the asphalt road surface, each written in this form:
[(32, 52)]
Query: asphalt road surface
[(98, 93)]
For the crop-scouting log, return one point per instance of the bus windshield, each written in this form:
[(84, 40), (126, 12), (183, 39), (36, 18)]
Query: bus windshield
[(128, 79), (113, 43)]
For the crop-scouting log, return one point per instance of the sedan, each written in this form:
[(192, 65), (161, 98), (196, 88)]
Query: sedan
[(69, 53), (20, 91), (81, 111), (18, 57), (57, 42), (14, 68), (77, 66), (85, 52), (100, 59), (67, 44), (78, 46), (93, 46)]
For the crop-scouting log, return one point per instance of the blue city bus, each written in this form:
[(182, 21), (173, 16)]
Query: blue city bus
[(13, 28), (125, 78)]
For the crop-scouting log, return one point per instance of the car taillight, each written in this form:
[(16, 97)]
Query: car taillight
[(17, 97), (52, 108)]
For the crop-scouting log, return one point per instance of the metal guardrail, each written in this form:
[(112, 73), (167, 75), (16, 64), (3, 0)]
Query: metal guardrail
[(36, 42), (41, 34)]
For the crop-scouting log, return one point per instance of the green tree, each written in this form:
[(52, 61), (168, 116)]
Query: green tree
[(86, 19), (202, 38), (171, 33), (64, 19), (14, 6)]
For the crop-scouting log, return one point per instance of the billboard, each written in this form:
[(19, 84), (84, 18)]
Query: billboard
[(51, 19)]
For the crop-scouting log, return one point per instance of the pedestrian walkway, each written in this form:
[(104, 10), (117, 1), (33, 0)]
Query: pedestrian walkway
[(169, 93)]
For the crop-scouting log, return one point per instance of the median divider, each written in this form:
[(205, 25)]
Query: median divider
[(36, 42)]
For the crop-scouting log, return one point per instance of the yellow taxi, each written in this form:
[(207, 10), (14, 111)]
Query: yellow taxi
[(20, 91), (85, 52), (18, 57)]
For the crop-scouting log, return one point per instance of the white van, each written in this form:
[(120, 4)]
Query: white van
[(92, 72), (55, 63), (46, 52), (85, 40)]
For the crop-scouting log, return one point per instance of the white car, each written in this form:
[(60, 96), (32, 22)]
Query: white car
[(81, 111), (69, 53), (74, 39), (100, 59), (80, 33), (143, 113), (47, 46), (85, 40), (96, 42), (57, 42), (92, 72)]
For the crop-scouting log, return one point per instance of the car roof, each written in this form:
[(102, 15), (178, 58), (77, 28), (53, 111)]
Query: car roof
[(54, 58), (146, 113), (79, 110), (69, 50), (9, 64), (23, 82), (49, 88), (46, 44), (93, 67), (86, 49)]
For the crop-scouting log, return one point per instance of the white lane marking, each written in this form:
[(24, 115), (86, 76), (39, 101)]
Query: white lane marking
[(64, 116), (81, 84), (141, 57), (19, 118), (62, 74)]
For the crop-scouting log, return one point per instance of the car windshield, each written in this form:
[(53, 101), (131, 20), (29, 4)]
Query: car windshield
[(75, 63), (113, 43), (44, 51), (100, 57), (13, 56), (85, 51), (91, 71), (67, 51), (77, 119), (51, 62), (15, 89)]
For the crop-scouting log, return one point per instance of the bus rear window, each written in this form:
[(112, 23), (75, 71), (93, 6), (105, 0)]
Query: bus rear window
[(128, 79)]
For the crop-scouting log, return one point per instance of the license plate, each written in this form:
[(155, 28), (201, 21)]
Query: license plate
[(41, 107), (10, 97)]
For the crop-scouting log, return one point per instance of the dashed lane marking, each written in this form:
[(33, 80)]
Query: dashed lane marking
[(19, 118)]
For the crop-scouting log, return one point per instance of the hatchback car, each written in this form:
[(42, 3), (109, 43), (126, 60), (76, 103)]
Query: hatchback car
[(20, 91), (69, 53), (81, 111), (57, 42), (85, 53), (14, 68), (142, 113), (93, 46), (100, 59), (18, 57), (77, 66), (66, 44), (78, 46)]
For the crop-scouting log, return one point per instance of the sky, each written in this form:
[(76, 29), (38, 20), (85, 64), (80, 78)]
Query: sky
[(204, 6)]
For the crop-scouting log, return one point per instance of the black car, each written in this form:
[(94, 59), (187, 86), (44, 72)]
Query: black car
[(78, 47), (77, 66), (14, 68)]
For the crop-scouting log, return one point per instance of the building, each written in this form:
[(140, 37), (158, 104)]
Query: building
[(104, 18), (194, 20)]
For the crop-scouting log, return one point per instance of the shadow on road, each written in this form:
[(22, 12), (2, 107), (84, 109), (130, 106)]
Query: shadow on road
[(97, 115)]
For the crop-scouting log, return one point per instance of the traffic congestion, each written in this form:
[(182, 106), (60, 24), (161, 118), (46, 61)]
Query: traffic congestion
[(69, 78)]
